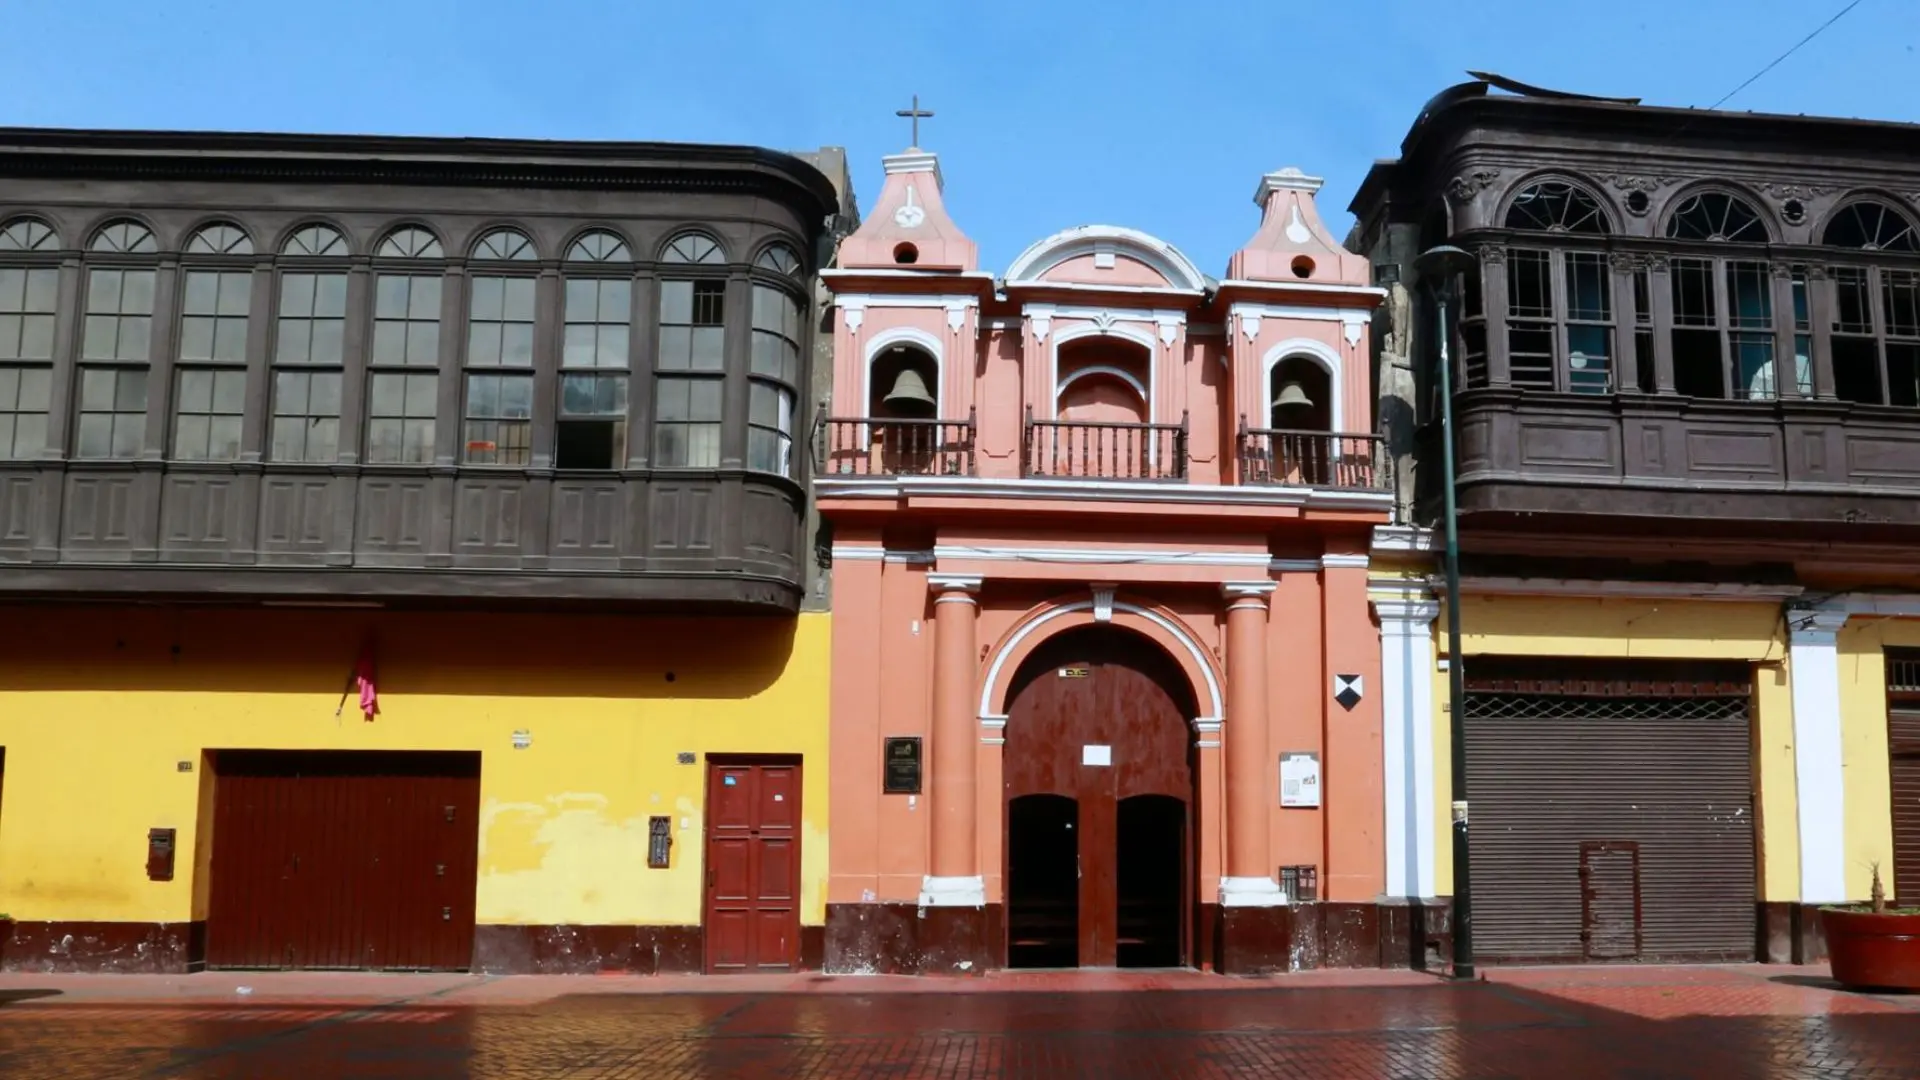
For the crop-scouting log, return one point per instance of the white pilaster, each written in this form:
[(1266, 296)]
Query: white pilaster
[(1820, 782), (1406, 702)]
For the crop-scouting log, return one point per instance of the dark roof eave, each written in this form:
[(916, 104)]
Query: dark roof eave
[(378, 153)]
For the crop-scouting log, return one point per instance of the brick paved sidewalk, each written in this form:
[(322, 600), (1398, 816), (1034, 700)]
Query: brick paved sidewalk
[(1566, 1024)]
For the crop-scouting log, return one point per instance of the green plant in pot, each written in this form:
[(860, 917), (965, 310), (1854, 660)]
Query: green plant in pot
[(1872, 945)]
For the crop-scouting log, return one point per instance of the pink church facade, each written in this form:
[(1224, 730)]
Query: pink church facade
[(1105, 675)]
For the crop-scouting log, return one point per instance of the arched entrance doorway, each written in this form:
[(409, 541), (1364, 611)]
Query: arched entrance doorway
[(1100, 805)]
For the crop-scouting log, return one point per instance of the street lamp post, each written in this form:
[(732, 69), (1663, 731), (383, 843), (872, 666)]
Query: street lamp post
[(1441, 268)]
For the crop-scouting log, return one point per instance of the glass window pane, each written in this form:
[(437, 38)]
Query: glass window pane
[(676, 302), (229, 392), (95, 435), (30, 435), (384, 440), (389, 343), (36, 337), (323, 439), (293, 344), (13, 289), (96, 389), (329, 341), (670, 399), (9, 388), (202, 293), (582, 300), (323, 394), (519, 299), (196, 391), (236, 292), (708, 348), (103, 291), (516, 396), (296, 294), (133, 344), (424, 300), (230, 339), (35, 389), (422, 390), (130, 391), (388, 395), (763, 405), (330, 296), (196, 338), (483, 344), (576, 351), (136, 296), (612, 349), (676, 348), (516, 345), (190, 436), (286, 442), (101, 334), (488, 297), (616, 301), (390, 296), (43, 290), (483, 395), (418, 436), (423, 343), (128, 431), (703, 398), (223, 438), (290, 393)]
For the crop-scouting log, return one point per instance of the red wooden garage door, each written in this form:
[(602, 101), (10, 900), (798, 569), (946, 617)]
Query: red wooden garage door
[(753, 866), (343, 860)]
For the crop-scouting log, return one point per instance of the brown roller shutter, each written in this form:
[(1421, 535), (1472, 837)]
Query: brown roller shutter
[(1903, 737), (1612, 812)]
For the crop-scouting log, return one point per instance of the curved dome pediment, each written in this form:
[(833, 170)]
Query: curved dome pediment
[(1106, 255)]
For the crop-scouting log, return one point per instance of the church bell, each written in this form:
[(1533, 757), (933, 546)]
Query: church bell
[(1293, 395), (910, 396)]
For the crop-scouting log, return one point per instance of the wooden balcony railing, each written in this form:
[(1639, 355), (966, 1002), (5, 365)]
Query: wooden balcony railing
[(1104, 449), (877, 446), (1313, 459)]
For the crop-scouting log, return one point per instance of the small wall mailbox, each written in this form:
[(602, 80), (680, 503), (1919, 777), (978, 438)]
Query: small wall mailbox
[(659, 842), (159, 854), (902, 765), (1300, 884)]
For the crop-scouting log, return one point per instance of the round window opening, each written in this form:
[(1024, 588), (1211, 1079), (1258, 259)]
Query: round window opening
[(1794, 211), (1302, 266), (1638, 203), (906, 253)]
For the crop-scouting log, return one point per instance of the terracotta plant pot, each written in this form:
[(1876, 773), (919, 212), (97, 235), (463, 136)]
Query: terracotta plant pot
[(1868, 950)]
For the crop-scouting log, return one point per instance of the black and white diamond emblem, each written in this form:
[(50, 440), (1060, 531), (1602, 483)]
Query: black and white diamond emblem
[(1347, 690)]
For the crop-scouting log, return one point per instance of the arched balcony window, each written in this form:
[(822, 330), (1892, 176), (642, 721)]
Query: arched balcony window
[(1559, 298), (595, 353), (309, 348), (404, 360), (1874, 338), (116, 338), (29, 295)]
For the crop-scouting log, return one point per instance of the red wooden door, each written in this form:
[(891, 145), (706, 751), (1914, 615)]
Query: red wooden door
[(1096, 719), (343, 860), (752, 920)]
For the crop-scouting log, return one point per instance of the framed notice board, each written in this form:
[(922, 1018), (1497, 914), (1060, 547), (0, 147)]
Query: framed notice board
[(902, 766)]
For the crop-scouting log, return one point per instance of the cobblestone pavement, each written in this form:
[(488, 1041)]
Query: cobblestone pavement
[(1639, 1023)]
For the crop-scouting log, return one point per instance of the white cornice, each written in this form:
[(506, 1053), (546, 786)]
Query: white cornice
[(863, 301), (1287, 179), (1325, 288), (1636, 590), (1122, 314), (1402, 539), (1133, 556), (915, 160), (1076, 286), (1247, 309), (834, 274), (897, 487)]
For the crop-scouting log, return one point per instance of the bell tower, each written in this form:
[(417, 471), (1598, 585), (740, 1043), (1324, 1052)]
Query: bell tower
[(907, 292)]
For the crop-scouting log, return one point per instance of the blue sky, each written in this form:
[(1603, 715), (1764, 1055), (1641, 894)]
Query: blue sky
[(1050, 114)]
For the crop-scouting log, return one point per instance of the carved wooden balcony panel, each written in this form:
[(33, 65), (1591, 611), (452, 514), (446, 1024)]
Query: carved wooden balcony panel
[(384, 530), (1805, 461)]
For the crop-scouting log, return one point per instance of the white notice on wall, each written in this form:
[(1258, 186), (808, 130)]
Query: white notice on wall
[(1096, 755), (1300, 778)]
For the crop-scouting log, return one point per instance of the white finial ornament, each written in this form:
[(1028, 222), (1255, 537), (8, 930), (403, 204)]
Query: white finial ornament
[(909, 216)]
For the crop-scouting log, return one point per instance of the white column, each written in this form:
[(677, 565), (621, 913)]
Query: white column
[(1406, 702), (1820, 783)]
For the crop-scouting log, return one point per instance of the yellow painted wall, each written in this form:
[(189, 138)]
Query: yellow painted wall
[(99, 704), (1647, 629), (1864, 758)]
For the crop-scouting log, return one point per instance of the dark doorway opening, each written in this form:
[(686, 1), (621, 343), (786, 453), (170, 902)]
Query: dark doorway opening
[(1043, 882), (1152, 878)]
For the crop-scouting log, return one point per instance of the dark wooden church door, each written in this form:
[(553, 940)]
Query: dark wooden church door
[(1099, 789)]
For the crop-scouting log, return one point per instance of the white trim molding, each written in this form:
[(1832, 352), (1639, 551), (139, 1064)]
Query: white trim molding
[(1214, 699), (1245, 309), (1819, 773), (953, 892), (1317, 352), (1246, 590), (1345, 562), (1130, 556), (1144, 491), (947, 583), (1251, 892), (1403, 539), (1165, 259), (1406, 703)]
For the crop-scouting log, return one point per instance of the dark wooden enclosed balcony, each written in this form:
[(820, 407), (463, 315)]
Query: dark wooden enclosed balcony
[(1800, 460), (856, 446), (1313, 459), (1103, 450)]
